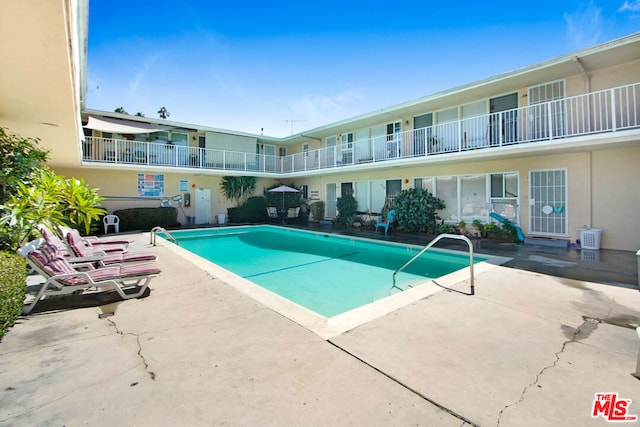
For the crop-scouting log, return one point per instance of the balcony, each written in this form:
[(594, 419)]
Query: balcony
[(608, 111)]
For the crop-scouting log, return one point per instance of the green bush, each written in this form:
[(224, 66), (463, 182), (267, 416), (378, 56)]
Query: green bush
[(13, 275), (145, 219), (317, 210), (416, 210), (347, 209), (447, 229), (252, 211)]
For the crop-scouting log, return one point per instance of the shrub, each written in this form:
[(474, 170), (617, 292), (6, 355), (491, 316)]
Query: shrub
[(317, 210), (252, 211), (347, 210), (447, 229), (145, 219), (416, 210), (13, 274)]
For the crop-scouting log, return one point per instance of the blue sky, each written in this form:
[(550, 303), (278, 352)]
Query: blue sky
[(286, 66)]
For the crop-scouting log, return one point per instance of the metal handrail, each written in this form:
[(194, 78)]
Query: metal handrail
[(433, 242), (154, 232)]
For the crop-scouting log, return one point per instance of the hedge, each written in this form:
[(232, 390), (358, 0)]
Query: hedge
[(254, 210), (144, 219), (13, 276)]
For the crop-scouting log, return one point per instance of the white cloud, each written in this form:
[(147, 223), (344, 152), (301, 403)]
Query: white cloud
[(632, 6), (584, 27), (311, 105)]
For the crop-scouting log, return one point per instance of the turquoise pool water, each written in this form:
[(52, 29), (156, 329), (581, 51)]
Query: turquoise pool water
[(326, 273)]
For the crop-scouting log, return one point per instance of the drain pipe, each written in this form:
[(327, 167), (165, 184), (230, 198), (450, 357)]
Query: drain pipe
[(637, 374)]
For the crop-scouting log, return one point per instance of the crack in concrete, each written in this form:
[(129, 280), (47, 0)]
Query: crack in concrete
[(588, 325), (152, 374), (463, 419)]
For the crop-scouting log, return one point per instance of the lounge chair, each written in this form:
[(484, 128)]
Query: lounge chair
[(272, 213), (293, 213), (63, 279), (81, 250), (387, 222), (107, 244)]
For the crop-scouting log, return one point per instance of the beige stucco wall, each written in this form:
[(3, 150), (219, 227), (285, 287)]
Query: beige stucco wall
[(120, 189), (601, 188), (616, 207)]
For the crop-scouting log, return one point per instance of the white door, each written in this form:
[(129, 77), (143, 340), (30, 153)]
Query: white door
[(548, 203), (203, 206)]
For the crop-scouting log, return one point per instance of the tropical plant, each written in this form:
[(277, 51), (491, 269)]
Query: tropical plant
[(416, 210), (163, 112), (19, 159), (51, 200), (238, 188), (120, 110), (347, 207), (317, 210)]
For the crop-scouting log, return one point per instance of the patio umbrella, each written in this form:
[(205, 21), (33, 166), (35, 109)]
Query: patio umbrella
[(283, 189)]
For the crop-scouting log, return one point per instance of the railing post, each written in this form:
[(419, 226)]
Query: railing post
[(614, 125), (549, 120)]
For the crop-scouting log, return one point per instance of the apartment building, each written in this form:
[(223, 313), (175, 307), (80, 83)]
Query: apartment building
[(554, 147)]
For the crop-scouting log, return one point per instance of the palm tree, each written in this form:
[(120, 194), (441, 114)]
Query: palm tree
[(238, 187), (120, 110), (163, 112), (139, 114)]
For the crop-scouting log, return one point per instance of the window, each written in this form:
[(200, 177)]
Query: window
[(504, 185), (547, 107), (394, 187), (282, 151), (393, 139), (447, 190), (473, 197), (304, 192), (346, 142), (305, 149), (424, 183), (346, 189)]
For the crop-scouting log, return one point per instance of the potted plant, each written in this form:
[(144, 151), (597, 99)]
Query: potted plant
[(480, 227)]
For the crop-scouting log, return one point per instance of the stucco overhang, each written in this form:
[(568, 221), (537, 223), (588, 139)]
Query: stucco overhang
[(42, 73)]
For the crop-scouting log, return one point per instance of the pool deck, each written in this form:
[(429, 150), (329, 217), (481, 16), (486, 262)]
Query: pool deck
[(527, 349)]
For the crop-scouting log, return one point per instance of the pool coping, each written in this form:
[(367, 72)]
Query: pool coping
[(330, 327)]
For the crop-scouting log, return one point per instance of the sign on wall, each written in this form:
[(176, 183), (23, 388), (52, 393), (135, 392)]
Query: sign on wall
[(150, 185)]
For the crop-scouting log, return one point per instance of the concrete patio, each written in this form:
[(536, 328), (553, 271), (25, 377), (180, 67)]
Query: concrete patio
[(528, 349)]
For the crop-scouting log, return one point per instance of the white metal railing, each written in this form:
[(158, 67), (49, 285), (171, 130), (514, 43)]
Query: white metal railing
[(433, 242), (157, 229), (609, 110)]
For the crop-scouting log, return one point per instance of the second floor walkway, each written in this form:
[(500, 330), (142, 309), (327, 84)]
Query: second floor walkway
[(607, 111)]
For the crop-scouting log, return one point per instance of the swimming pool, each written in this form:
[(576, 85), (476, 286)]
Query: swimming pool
[(325, 273)]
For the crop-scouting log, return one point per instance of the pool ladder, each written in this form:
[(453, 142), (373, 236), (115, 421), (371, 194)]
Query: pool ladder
[(158, 229), (433, 242)]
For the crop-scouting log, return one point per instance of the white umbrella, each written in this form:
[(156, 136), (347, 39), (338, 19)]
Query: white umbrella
[(283, 189)]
